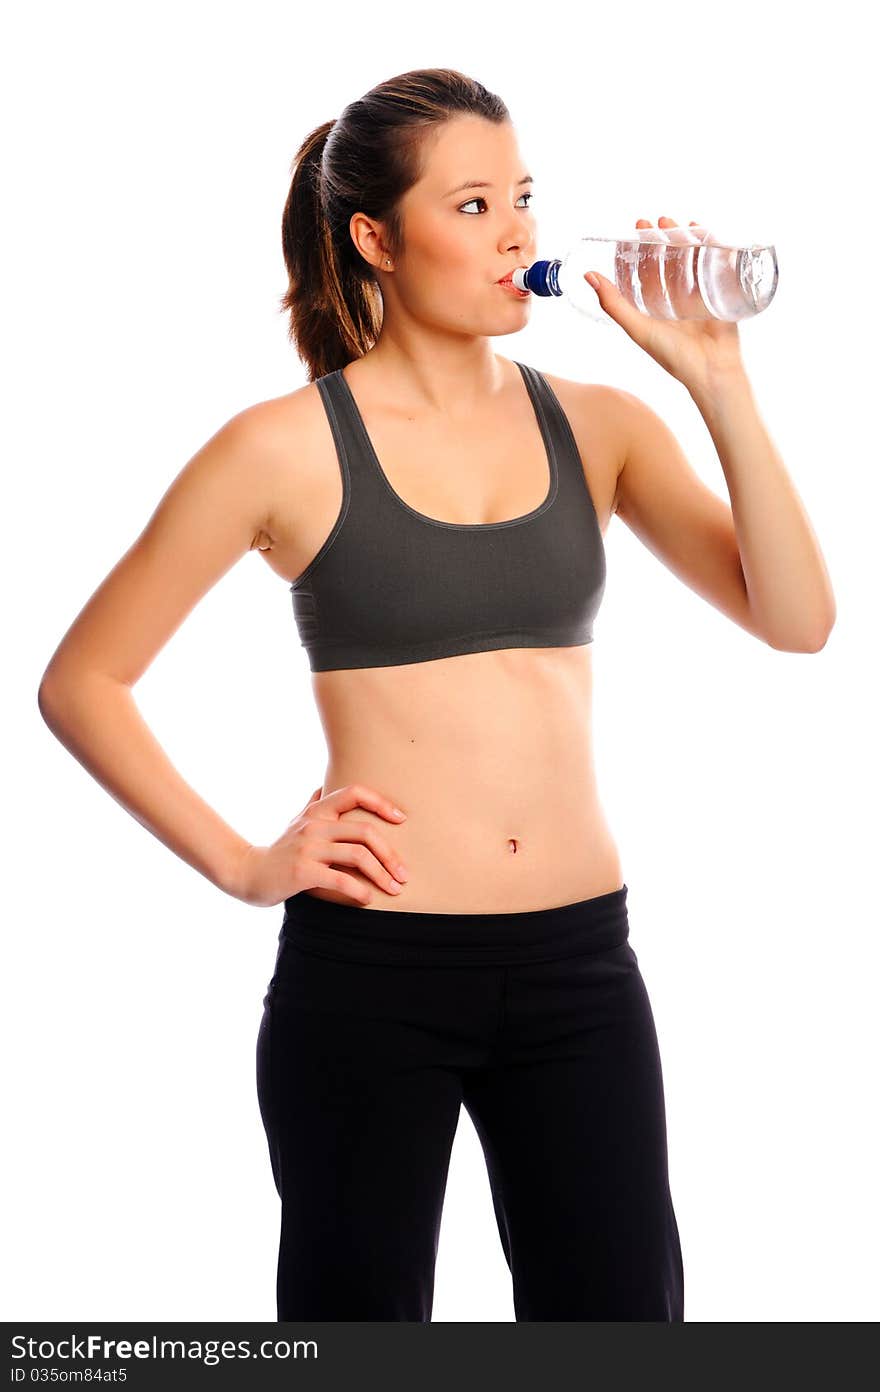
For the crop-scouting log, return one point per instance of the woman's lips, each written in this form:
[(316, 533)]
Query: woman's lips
[(507, 284)]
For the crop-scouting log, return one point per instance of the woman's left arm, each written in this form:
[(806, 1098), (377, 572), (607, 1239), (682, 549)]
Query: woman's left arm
[(790, 598), (788, 584)]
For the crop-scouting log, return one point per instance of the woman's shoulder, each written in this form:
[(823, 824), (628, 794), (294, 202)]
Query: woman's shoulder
[(275, 414), (291, 446), (575, 394), (287, 432)]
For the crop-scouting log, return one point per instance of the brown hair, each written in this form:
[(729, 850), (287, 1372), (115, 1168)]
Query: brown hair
[(363, 162)]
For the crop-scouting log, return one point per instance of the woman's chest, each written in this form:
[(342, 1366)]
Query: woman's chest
[(487, 472)]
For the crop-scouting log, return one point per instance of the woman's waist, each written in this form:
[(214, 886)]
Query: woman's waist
[(471, 848), (489, 778)]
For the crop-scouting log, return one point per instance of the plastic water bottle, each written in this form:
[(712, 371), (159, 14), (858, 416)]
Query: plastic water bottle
[(704, 277)]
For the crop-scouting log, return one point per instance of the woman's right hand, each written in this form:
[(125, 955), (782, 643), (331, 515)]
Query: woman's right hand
[(304, 855)]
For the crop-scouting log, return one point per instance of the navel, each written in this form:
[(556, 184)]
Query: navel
[(513, 845)]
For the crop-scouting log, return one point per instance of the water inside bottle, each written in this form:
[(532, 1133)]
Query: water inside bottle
[(701, 280)]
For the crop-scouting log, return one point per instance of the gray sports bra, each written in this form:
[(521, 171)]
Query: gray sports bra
[(390, 585)]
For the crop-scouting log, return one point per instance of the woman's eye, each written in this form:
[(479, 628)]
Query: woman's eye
[(530, 196)]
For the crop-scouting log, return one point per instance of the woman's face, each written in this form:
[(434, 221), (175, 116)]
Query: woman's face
[(460, 238)]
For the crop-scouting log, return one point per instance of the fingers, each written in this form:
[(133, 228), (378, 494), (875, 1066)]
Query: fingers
[(672, 223), (341, 851), (356, 795), (323, 877), (359, 844), (366, 832), (667, 223)]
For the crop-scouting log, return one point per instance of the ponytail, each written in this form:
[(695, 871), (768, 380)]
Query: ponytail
[(332, 298)]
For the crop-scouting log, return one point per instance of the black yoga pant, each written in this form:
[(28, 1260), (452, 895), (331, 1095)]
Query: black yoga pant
[(377, 1025)]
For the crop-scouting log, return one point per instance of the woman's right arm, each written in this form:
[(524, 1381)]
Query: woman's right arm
[(209, 517)]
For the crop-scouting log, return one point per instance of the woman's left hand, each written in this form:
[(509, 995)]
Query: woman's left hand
[(692, 350)]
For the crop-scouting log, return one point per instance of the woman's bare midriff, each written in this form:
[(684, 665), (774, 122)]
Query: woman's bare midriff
[(489, 755)]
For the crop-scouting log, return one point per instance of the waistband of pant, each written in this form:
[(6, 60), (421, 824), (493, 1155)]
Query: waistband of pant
[(326, 928)]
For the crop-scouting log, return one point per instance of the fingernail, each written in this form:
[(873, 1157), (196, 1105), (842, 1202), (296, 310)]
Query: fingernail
[(401, 872), (397, 812)]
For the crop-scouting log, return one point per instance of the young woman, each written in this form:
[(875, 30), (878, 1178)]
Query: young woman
[(438, 512)]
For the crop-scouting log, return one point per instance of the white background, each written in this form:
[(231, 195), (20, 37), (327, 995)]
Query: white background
[(146, 166)]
